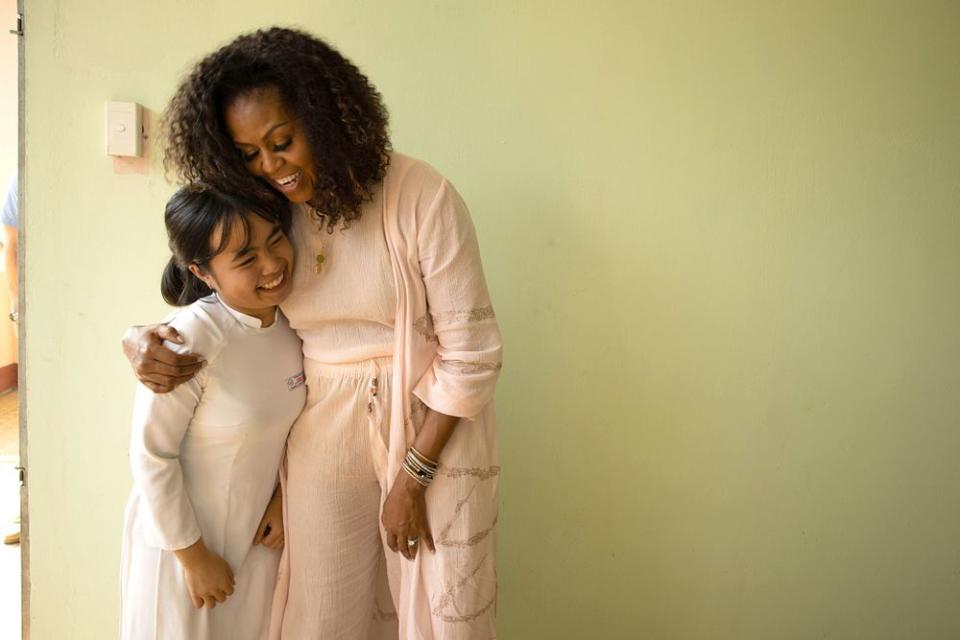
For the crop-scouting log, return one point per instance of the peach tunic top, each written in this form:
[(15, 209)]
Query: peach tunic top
[(409, 285)]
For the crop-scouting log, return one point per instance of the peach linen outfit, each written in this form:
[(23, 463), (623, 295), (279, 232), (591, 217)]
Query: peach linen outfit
[(398, 318)]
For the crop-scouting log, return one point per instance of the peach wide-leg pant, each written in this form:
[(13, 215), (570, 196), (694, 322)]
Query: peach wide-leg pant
[(336, 573)]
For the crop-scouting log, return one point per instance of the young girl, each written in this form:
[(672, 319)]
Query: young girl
[(205, 457)]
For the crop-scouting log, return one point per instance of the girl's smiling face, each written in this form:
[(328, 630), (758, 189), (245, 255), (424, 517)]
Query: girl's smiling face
[(272, 143), (254, 271)]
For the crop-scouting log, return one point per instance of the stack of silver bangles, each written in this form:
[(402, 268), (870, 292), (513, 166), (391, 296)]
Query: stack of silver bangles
[(420, 467)]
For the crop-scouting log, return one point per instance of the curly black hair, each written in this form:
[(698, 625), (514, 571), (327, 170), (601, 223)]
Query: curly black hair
[(339, 109)]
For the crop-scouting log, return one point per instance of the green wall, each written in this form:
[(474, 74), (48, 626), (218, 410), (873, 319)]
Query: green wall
[(722, 240), (8, 96)]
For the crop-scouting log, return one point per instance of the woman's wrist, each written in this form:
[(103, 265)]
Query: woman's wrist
[(433, 434), (419, 469), (409, 485)]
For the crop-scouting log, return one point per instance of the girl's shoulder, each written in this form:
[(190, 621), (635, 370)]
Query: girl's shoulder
[(204, 325)]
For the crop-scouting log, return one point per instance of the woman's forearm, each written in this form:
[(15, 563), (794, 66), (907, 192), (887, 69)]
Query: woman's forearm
[(434, 434)]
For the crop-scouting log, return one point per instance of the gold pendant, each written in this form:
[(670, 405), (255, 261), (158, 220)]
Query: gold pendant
[(318, 267)]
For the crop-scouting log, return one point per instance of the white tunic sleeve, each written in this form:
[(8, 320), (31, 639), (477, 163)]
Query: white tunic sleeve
[(461, 380), (159, 424)]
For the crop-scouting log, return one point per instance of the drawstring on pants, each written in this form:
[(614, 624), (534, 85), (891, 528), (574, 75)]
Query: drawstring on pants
[(375, 425)]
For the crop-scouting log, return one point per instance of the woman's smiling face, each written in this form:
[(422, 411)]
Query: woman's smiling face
[(272, 143)]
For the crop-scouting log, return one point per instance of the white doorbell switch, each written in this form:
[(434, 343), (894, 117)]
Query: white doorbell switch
[(124, 129)]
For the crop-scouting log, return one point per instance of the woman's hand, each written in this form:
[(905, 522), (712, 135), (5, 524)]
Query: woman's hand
[(158, 368), (270, 531), (208, 576), (404, 517)]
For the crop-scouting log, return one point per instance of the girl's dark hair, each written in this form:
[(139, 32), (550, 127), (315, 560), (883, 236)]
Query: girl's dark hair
[(341, 112), (192, 216)]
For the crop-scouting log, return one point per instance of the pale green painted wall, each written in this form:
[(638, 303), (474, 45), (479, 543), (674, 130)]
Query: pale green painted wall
[(8, 95), (722, 240)]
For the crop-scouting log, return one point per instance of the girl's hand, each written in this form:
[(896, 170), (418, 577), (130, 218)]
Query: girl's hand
[(270, 531), (404, 517), (158, 368), (208, 576)]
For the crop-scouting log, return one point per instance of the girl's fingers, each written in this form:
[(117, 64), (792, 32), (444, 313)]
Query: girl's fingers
[(261, 530), (197, 602), (275, 539), (220, 596), (209, 602), (427, 539)]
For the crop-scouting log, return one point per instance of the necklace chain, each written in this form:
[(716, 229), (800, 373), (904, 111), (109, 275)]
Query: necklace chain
[(320, 258)]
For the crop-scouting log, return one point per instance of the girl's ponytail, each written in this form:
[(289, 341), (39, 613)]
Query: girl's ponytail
[(179, 287)]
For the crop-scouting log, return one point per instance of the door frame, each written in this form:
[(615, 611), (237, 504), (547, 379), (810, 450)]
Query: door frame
[(21, 329)]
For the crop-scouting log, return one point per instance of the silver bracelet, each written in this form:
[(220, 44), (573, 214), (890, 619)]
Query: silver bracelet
[(421, 470), (419, 467), (424, 459), (413, 473)]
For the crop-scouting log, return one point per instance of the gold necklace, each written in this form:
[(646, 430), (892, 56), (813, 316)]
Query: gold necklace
[(320, 258)]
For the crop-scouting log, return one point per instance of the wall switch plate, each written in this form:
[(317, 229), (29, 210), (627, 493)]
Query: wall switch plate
[(124, 129)]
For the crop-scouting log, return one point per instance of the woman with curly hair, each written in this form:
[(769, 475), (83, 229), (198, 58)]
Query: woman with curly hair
[(390, 478)]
